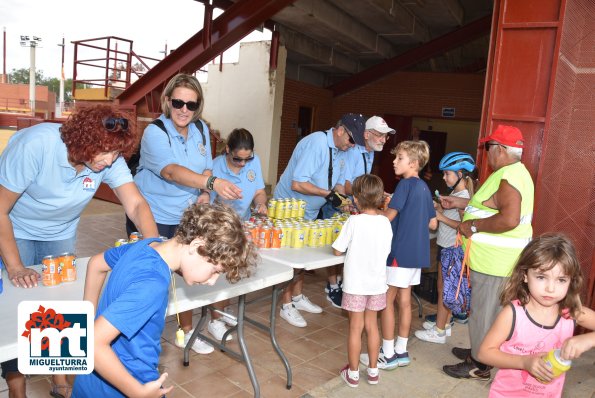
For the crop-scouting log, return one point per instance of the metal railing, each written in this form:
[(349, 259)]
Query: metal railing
[(107, 62)]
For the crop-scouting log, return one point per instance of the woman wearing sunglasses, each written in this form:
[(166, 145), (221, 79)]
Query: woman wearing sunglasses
[(240, 165), (48, 174), (175, 167)]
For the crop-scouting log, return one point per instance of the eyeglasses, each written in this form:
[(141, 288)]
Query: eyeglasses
[(487, 145), (190, 105), (378, 135), (111, 124)]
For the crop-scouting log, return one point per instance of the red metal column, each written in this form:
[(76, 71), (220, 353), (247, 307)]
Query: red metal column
[(236, 22), (521, 69)]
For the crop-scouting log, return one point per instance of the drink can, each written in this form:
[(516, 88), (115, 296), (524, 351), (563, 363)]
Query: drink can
[(50, 271), (255, 232), (313, 236), (321, 236), (306, 226), (277, 237), (135, 236), (336, 229), (265, 237), (280, 209), (297, 236), (271, 207), (67, 263), (164, 238), (295, 208), (557, 365), (286, 240), (121, 242), (302, 210), (328, 228), (287, 211)]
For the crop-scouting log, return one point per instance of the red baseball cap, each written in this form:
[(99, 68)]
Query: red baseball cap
[(506, 135)]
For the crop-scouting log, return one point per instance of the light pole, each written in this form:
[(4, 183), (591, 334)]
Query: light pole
[(61, 100), (31, 42), (164, 52)]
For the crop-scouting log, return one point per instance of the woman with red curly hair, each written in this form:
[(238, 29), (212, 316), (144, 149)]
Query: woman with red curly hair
[(48, 174)]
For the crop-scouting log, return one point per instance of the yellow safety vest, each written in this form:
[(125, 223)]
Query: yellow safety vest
[(496, 253)]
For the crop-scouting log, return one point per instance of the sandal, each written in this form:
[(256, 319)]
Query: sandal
[(61, 390)]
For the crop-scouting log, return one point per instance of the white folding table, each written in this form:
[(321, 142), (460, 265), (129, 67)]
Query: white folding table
[(267, 274), (311, 258)]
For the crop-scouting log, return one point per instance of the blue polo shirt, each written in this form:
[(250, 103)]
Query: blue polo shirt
[(355, 162), (53, 196), (411, 235), (134, 301), (167, 199), (310, 163), (249, 180)]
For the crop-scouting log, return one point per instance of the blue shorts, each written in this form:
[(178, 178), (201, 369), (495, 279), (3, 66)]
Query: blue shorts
[(12, 365)]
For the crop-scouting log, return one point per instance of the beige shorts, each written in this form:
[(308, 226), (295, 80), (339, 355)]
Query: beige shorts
[(402, 277)]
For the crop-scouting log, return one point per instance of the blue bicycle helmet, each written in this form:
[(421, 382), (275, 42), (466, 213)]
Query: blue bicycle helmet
[(456, 161)]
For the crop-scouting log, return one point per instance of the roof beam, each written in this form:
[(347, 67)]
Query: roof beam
[(403, 18), (237, 21), (353, 35), (321, 54), (432, 48), (455, 10)]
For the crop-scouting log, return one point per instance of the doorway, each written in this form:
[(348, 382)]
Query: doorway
[(304, 127)]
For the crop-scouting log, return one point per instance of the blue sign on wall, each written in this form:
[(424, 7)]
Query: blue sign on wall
[(448, 112)]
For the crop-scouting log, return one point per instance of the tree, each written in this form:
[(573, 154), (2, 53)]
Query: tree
[(53, 85), (22, 76)]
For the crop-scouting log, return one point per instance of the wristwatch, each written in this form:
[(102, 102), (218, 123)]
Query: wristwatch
[(473, 227)]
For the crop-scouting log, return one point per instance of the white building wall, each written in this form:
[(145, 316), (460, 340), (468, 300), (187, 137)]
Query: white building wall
[(247, 94)]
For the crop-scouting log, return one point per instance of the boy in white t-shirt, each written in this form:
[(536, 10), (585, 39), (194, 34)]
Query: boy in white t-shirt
[(368, 237)]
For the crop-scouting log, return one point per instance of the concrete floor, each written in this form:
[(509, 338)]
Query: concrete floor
[(316, 353)]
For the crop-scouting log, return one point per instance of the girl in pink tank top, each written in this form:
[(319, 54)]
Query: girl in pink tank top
[(541, 307)]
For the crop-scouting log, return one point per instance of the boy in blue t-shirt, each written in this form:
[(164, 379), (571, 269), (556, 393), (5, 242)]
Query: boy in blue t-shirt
[(130, 316), (411, 212)]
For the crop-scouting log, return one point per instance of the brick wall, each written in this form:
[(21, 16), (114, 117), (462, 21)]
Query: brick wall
[(416, 94), (403, 93), (298, 94)]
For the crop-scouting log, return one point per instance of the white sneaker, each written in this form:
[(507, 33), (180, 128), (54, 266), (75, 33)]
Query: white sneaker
[(217, 329), (431, 335), (305, 304), (199, 346), (427, 325), (293, 316)]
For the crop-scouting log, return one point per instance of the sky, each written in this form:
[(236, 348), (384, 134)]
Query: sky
[(150, 24)]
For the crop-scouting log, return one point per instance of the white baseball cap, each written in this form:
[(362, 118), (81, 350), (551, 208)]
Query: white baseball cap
[(377, 123)]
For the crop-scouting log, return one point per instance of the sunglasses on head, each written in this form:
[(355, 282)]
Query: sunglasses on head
[(487, 145), (111, 124), (190, 105)]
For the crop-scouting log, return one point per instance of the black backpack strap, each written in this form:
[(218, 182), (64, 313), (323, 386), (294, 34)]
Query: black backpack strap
[(198, 125), (159, 123), (330, 166)]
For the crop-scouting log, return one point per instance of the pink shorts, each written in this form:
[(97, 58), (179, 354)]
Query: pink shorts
[(360, 303)]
